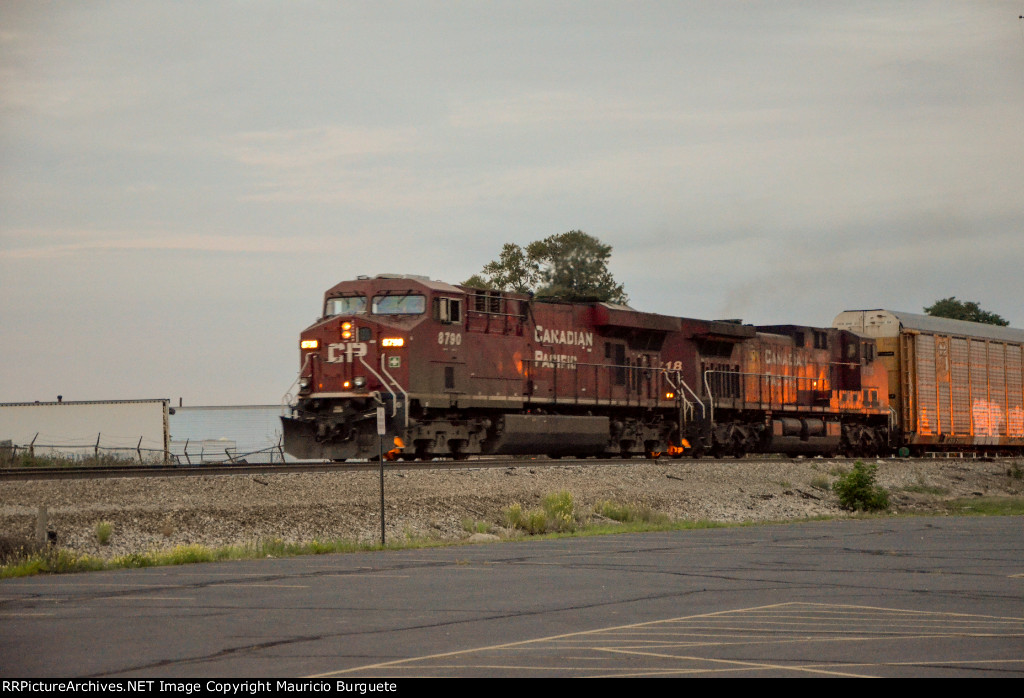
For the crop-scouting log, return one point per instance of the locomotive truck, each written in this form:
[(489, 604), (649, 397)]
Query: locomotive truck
[(464, 371)]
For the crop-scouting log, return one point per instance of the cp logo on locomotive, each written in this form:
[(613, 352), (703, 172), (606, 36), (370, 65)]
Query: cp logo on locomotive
[(344, 352)]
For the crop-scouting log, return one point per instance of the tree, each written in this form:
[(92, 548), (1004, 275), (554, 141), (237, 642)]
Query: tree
[(514, 270), (571, 265), (964, 310)]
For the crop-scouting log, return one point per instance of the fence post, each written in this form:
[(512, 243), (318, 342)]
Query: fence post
[(96, 449), (138, 449), (32, 446), (42, 524)]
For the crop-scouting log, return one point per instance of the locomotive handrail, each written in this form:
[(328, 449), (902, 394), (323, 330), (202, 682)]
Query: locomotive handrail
[(394, 395), (682, 397), (399, 386), (696, 398), (286, 399), (711, 397)]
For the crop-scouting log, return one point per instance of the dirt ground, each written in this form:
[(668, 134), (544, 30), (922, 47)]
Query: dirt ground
[(158, 513)]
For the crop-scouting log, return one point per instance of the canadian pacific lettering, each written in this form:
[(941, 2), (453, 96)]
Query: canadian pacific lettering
[(570, 337), (542, 360)]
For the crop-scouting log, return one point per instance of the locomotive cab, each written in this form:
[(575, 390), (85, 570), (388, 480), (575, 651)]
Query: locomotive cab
[(356, 357)]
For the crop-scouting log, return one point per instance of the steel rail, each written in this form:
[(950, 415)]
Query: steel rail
[(92, 473)]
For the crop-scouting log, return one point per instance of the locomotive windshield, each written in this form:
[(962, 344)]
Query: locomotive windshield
[(411, 304), (350, 305)]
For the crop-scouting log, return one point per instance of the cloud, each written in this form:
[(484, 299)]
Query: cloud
[(292, 149), (35, 245)]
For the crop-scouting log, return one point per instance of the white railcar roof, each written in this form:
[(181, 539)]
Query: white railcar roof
[(888, 323)]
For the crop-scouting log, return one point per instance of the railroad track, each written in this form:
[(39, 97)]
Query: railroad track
[(94, 473)]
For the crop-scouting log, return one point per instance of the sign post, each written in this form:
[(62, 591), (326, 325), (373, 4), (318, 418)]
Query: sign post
[(381, 430)]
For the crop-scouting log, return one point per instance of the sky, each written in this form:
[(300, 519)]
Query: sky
[(180, 182)]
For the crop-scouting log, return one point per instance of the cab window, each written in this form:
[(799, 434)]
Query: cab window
[(448, 310), (410, 304), (350, 305)]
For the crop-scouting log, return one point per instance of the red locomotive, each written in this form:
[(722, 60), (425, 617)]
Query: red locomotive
[(463, 371)]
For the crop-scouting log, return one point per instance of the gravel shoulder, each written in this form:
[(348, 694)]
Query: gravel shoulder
[(159, 513)]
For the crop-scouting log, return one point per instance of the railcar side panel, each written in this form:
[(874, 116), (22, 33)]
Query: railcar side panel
[(957, 384)]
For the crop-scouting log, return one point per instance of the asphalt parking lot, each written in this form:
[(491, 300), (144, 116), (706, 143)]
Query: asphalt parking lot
[(879, 597)]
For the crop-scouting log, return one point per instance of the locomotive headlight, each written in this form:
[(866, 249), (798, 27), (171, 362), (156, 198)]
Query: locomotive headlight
[(309, 344), (303, 383), (392, 342), (346, 384), (359, 381)]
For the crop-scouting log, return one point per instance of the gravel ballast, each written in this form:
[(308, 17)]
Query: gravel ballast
[(159, 513)]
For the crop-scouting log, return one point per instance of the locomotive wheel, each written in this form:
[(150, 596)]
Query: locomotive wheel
[(456, 446), (653, 455)]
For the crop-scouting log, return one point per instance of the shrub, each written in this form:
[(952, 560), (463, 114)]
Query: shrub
[(514, 516), (857, 490), (560, 511), (104, 529)]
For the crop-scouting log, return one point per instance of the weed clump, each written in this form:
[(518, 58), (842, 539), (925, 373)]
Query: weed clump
[(857, 490), (630, 513), (104, 529), (557, 514), (473, 526), (821, 482)]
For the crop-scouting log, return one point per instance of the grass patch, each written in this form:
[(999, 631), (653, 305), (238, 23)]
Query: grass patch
[(557, 514), (986, 506), (630, 513), (473, 526), (821, 482), (25, 559)]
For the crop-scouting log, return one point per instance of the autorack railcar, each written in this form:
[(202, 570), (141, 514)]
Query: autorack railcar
[(955, 385)]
